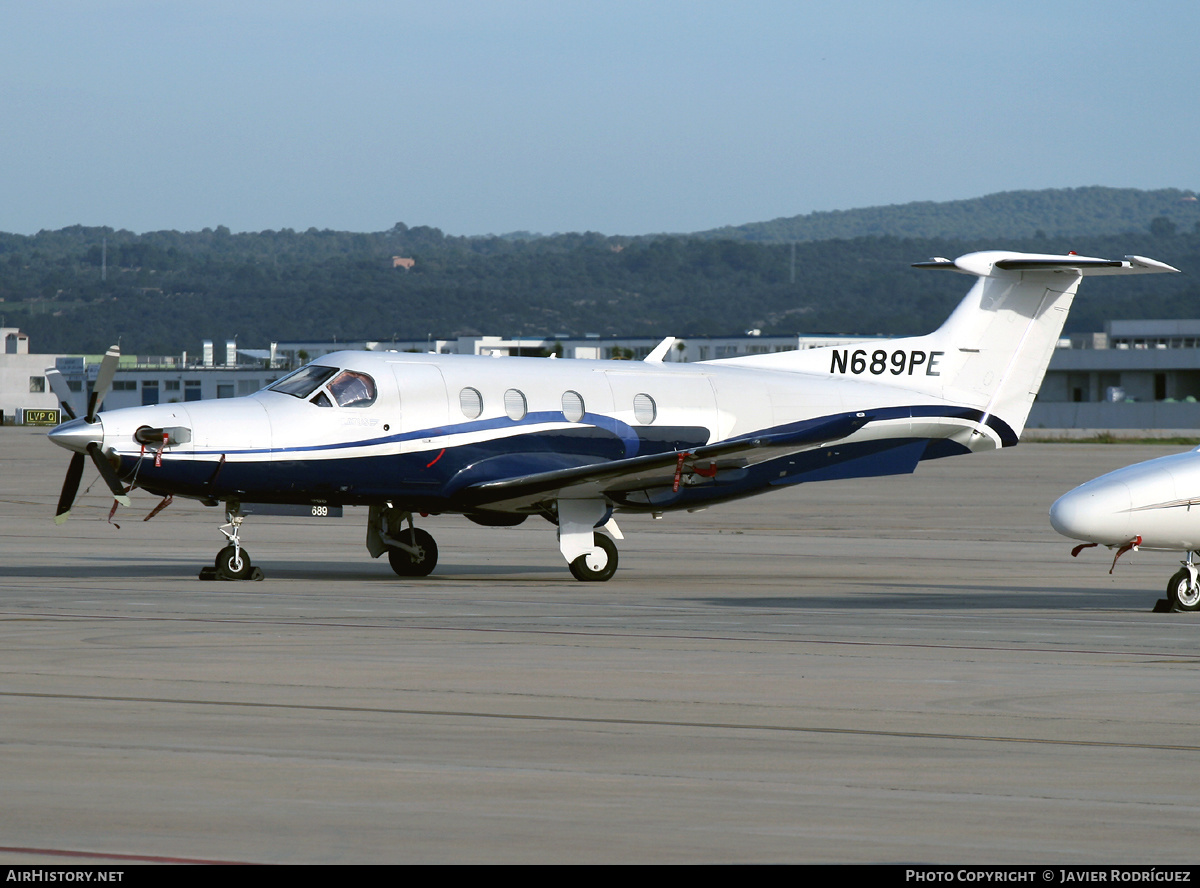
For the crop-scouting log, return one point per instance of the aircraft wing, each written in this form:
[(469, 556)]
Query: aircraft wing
[(655, 470)]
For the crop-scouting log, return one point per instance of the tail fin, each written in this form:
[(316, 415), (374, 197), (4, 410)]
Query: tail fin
[(999, 340), (993, 350)]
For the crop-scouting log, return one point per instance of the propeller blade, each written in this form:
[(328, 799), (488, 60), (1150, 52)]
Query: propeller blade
[(70, 487), (108, 369), (62, 391), (108, 473)]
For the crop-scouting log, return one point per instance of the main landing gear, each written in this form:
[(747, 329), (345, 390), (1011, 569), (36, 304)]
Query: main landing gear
[(598, 565), (1183, 589), (232, 562), (412, 552), (592, 556)]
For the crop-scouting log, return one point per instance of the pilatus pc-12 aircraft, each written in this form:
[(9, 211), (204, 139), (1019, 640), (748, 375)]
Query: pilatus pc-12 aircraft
[(575, 441)]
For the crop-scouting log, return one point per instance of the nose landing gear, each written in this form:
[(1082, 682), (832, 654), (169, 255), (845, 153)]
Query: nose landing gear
[(232, 562), (1183, 590)]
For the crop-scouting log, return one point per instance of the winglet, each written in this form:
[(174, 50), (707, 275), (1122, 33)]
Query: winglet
[(660, 351)]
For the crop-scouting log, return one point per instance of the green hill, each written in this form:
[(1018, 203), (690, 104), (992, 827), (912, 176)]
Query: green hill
[(1009, 214), (80, 289)]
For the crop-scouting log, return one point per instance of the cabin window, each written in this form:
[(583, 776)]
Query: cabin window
[(515, 405), (471, 402), (352, 389), (304, 381), (644, 409), (572, 404)]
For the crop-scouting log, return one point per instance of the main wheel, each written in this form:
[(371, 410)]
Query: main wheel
[(1180, 592), (232, 565), (418, 564), (581, 571)]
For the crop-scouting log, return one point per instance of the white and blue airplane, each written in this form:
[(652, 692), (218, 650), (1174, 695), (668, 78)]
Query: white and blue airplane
[(1151, 505), (575, 441)]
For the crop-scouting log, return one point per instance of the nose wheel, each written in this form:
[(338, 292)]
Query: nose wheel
[(232, 562)]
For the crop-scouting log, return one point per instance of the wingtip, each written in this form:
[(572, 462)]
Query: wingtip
[(1151, 264)]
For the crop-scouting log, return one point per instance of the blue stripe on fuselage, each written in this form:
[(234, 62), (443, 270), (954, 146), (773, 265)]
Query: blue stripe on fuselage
[(431, 479)]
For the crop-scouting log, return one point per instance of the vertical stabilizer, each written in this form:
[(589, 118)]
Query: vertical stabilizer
[(993, 350), (998, 342)]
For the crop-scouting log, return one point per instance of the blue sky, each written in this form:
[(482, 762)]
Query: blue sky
[(618, 117)]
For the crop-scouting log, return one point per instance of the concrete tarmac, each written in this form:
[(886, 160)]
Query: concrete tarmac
[(906, 669)]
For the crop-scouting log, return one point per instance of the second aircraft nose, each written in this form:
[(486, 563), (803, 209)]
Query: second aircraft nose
[(1096, 512)]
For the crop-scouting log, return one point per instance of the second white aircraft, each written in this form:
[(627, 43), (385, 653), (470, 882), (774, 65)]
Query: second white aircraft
[(1151, 505)]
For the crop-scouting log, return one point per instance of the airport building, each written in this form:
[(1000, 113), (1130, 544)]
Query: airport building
[(1134, 375), (22, 377)]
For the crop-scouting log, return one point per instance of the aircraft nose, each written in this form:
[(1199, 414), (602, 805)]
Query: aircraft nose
[(1094, 512), (77, 434)]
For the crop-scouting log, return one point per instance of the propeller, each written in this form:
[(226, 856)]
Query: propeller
[(85, 436), (108, 473), (62, 391), (70, 487), (104, 379)]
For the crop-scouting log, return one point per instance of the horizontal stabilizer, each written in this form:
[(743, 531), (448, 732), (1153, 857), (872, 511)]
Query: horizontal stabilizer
[(983, 264)]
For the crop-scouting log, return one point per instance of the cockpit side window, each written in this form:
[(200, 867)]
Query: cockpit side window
[(352, 389), (304, 381)]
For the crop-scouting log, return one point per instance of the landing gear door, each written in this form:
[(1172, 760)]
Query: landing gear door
[(423, 402)]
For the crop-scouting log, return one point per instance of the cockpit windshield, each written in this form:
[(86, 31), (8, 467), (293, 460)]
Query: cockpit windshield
[(304, 381), (346, 388)]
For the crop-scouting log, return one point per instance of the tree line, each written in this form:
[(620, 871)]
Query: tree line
[(79, 289)]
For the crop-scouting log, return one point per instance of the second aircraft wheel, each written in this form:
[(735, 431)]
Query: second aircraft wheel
[(581, 571), (414, 564), (1180, 592)]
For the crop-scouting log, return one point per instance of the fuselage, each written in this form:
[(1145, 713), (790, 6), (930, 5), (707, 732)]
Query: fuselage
[(417, 429), (1157, 501)]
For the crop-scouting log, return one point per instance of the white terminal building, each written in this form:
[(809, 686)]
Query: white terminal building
[(1134, 375)]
